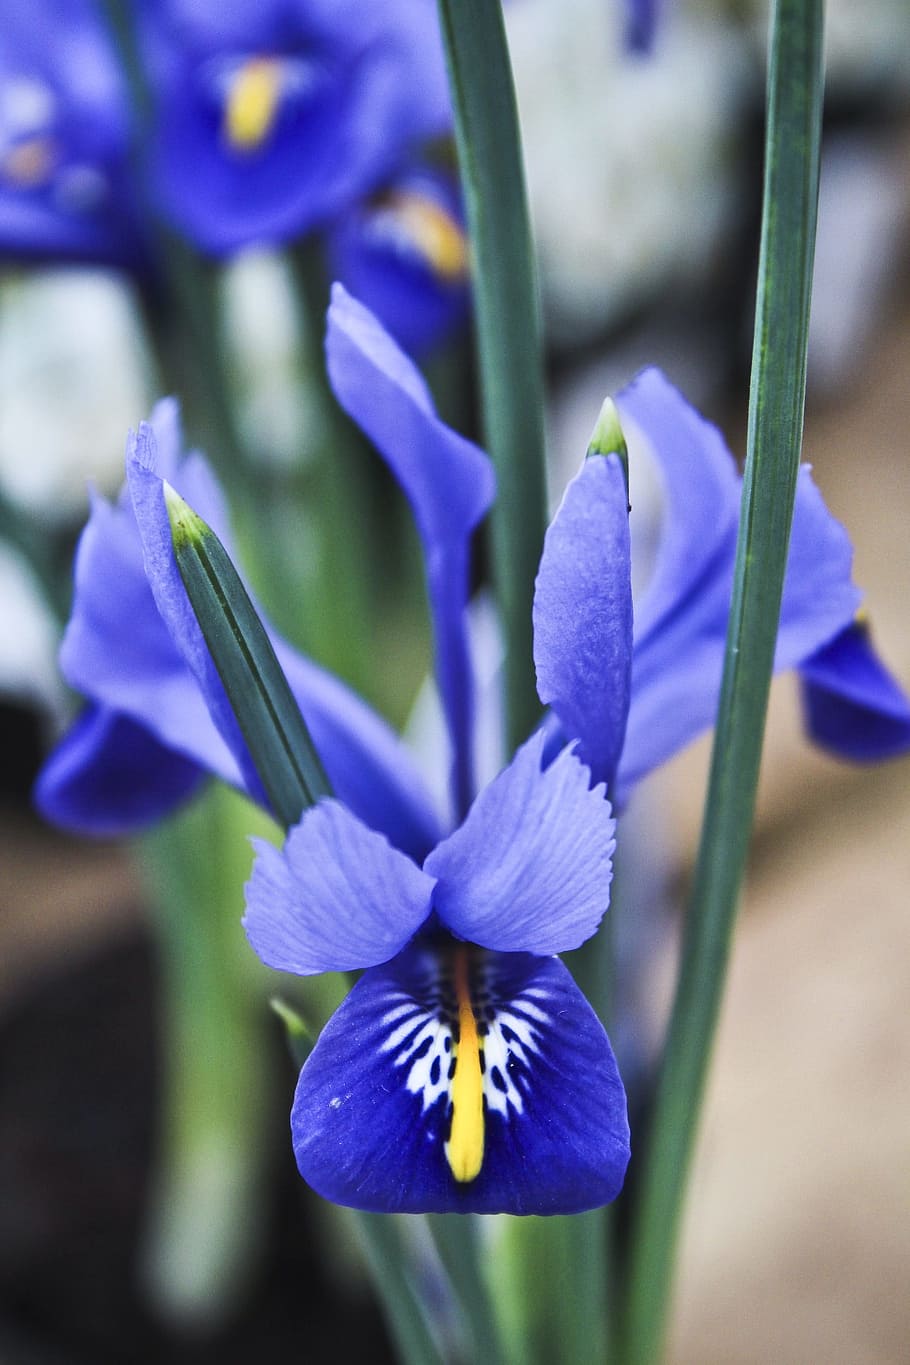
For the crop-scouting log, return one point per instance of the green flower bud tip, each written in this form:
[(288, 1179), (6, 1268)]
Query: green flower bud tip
[(607, 437), (186, 527)]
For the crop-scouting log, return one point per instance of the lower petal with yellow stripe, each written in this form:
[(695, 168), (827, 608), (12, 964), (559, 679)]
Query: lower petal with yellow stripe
[(456, 1079)]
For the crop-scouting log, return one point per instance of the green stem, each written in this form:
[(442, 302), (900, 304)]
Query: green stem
[(387, 1258), (507, 326), (774, 439), (456, 1238), (206, 1228)]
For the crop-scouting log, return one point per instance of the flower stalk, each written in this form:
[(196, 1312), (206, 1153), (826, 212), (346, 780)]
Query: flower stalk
[(507, 326), (776, 404)]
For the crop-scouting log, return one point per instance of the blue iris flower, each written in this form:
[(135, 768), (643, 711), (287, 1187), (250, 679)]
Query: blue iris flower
[(403, 252), (464, 1070), (66, 191), (155, 724), (271, 119)]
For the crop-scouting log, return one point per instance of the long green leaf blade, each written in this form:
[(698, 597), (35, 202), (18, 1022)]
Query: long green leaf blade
[(774, 439), (269, 717), (507, 326)]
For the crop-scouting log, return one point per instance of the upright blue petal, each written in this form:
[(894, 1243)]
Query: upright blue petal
[(273, 118), (147, 492), (530, 868), (456, 1080), (853, 706), (335, 898), (583, 614), (109, 775), (116, 649), (680, 626), (403, 253), (448, 481), (66, 190)]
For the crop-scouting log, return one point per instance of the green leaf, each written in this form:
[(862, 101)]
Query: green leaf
[(507, 326), (299, 1035), (387, 1255), (275, 732), (774, 438)]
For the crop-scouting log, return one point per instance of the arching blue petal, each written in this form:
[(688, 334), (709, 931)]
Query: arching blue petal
[(448, 481), (371, 1119), (337, 896), (820, 598), (702, 491), (583, 614), (367, 764), (530, 868), (109, 776), (853, 706), (680, 629)]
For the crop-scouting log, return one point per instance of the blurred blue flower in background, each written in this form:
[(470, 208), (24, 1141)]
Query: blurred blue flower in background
[(66, 186), (403, 252), (271, 119)]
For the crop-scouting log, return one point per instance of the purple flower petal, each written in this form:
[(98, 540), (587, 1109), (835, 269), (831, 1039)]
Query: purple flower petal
[(680, 628), (702, 491), (448, 481), (583, 614), (374, 1115), (530, 868), (147, 492), (109, 776), (854, 707), (336, 898)]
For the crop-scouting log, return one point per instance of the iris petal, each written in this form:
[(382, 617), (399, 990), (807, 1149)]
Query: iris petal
[(335, 898), (447, 480), (583, 614), (680, 627), (371, 1119), (529, 870), (853, 706), (109, 775), (147, 491)]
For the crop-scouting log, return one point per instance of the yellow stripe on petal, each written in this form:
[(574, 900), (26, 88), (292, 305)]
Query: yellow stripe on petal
[(436, 234), (464, 1149), (252, 103)]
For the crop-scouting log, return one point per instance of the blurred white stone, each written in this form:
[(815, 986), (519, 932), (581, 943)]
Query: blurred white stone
[(28, 637), (73, 380), (265, 345), (867, 47), (863, 228), (628, 159)]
